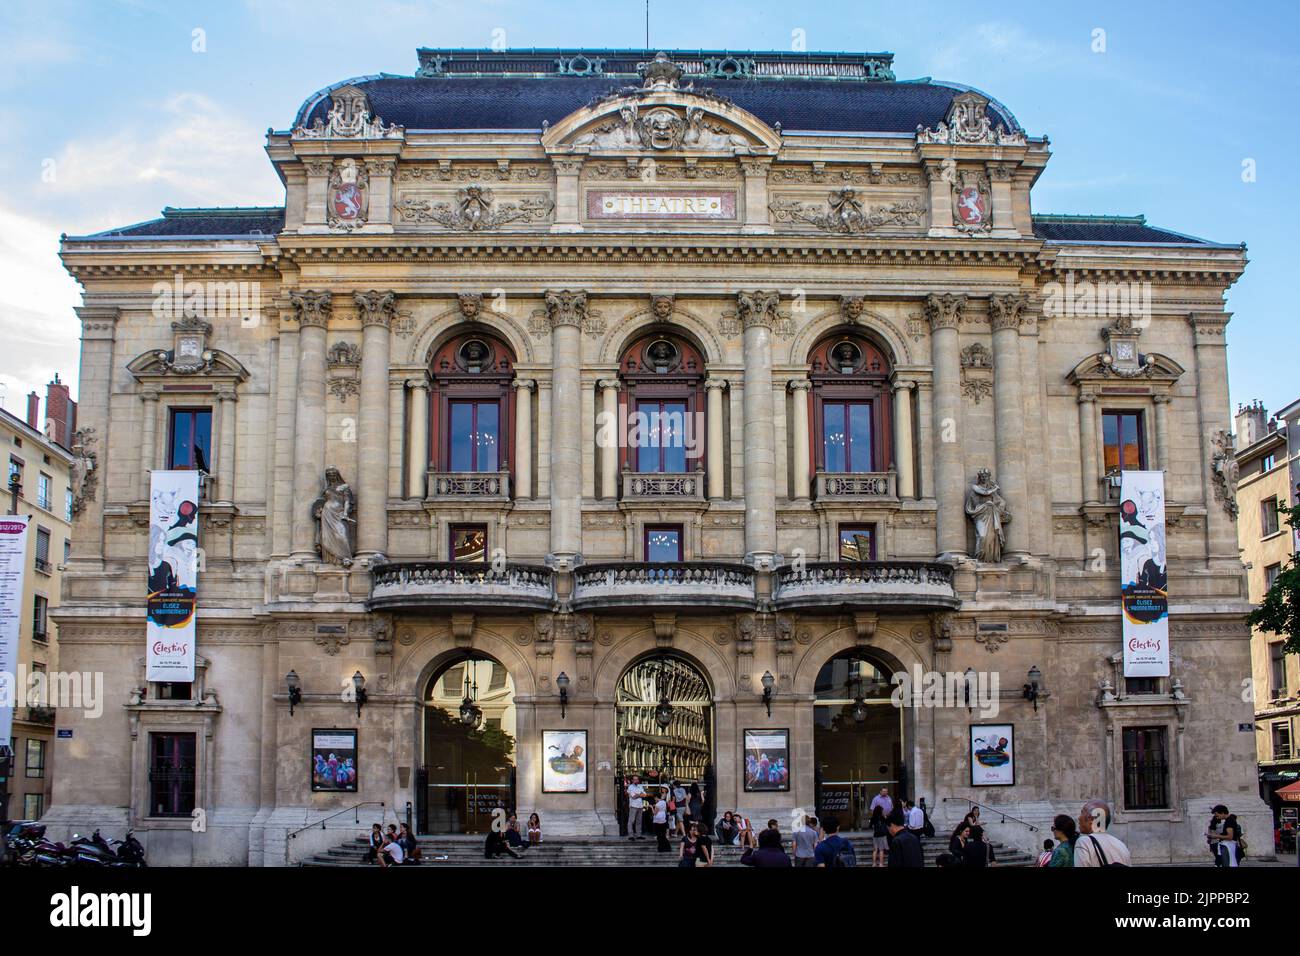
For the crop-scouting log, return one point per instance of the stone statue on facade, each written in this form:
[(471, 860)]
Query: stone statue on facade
[(988, 511), (333, 514)]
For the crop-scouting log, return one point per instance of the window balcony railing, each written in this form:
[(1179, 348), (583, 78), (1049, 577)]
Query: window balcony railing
[(419, 584), (668, 584), (469, 485), (665, 485), (865, 584), (856, 485)]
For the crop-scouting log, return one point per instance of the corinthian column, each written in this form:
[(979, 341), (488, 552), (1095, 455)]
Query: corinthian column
[(418, 440), (610, 431), (903, 455), (944, 314), (1005, 313), (566, 311), (313, 310), (377, 309), (799, 389), (757, 312)]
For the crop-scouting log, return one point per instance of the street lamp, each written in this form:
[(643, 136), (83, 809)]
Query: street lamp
[(470, 712), (562, 682), (294, 684), (15, 489), (768, 683), (859, 704), (359, 686), (1034, 688)]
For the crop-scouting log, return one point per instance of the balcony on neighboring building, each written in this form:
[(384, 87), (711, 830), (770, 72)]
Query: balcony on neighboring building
[(469, 487), (675, 584), (686, 486), (462, 584), (856, 485), (846, 585)]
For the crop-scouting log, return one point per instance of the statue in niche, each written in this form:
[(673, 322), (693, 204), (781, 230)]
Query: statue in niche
[(988, 511), (332, 512)]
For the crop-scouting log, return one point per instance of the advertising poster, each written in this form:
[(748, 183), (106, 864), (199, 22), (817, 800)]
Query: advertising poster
[(992, 755), (767, 761), (13, 567), (1144, 591), (334, 761), (173, 575), (564, 761)]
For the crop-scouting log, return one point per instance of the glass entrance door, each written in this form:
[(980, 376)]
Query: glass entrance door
[(469, 745), (857, 740)]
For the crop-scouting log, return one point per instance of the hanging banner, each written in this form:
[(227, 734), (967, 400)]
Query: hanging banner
[(1143, 574), (13, 568), (173, 575)]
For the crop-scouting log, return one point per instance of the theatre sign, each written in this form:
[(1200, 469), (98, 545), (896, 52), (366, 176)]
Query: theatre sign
[(659, 204)]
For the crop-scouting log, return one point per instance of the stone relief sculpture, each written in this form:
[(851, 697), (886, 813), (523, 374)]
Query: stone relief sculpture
[(84, 476), (967, 122), (1224, 473), (988, 511), (333, 514), (845, 212), (474, 210)]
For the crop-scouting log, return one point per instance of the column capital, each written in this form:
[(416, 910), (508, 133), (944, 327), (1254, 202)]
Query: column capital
[(227, 393), (318, 167), (1162, 398), (609, 384), (714, 382), (376, 308), (1007, 311), (150, 393), (944, 311), (380, 167), (904, 385), (419, 384), (311, 308), (523, 384), (799, 384), (1208, 325), (1086, 397), (567, 165), (758, 308), (566, 308), (755, 166)]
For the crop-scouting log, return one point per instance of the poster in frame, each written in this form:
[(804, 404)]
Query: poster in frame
[(334, 767), (992, 755), (766, 760), (564, 761)]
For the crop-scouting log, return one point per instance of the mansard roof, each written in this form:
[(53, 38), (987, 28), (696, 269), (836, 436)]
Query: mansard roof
[(220, 222), (523, 89), (1121, 229)]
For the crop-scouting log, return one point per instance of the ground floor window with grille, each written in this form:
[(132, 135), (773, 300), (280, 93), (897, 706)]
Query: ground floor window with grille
[(33, 806), (171, 774), (1146, 768)]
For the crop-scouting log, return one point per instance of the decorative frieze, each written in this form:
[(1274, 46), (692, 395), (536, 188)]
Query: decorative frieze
[(475, 209), (846, 212), (976, 372), (968, 124)]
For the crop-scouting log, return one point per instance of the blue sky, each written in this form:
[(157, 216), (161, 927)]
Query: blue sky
[(108, 113)]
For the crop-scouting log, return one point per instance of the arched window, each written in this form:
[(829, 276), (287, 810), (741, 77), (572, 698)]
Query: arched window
[(471, 425), (851, 409), (663, 406)]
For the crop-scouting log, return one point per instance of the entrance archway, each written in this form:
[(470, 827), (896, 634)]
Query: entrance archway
[(857, 738), (469, 732)]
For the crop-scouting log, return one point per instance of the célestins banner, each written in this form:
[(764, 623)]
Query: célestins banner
[(1144, 574), (13, 567), (173, 575)]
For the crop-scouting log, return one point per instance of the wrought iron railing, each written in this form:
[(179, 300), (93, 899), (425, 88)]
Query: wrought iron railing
[(1002, 816), (856, 484), (478, 485)]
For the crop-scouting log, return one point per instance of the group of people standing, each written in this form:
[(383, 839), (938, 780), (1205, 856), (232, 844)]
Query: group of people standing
[(670, 810)]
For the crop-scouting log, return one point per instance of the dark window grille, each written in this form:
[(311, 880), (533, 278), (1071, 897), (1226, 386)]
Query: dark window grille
[(171, 775), (1146, 769)]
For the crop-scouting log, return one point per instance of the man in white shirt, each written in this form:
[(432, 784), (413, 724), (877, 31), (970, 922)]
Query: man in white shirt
[(391, 852), (1095, 846), (661, 821), (635, 807), (916, 820), (882, 800)]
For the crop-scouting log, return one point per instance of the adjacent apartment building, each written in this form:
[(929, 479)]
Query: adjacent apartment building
[(39, 485), (1268, 462)]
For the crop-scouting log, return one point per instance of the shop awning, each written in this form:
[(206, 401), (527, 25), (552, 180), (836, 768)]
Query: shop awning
[(1290, 793)]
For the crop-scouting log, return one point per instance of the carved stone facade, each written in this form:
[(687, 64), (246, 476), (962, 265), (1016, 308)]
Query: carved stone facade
[(483, 271)]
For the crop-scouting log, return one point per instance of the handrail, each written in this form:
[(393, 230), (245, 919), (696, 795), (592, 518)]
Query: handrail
[(352, 809), (1003, 814)]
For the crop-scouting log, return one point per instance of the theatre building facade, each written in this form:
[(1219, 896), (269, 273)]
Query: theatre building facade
[(591, 413)]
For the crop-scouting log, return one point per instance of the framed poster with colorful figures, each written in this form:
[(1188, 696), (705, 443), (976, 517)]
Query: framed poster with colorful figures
[(564, 761), (334, 761), (992, 755)]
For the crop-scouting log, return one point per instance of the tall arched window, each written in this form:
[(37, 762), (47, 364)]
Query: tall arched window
[(851, 408), (663, 405), (471, 425)]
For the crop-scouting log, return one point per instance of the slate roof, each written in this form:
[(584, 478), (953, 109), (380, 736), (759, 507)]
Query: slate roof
[(1123, 229), (231, 222), (524, 103)]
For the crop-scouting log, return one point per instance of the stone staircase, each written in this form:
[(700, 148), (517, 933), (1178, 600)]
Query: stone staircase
[(444, 851)]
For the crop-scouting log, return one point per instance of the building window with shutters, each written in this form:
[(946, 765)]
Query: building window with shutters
[(1146, 768), (1268, 523), (44, 491), (40, 619), (171, 774), (1282, 740), (43, 550), (1277, 668)]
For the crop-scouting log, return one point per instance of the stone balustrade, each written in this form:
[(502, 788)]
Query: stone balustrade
[(918, 584), (471, 485), (418, 584), (668, 584), (858, 485), (679, 486)]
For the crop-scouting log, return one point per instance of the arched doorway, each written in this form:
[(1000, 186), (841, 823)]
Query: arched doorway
[(469, 745), (663, 724), (857, 738)]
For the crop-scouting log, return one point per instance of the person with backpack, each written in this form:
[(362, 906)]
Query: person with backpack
[(834, 850), (769, 853), (905, 848), (1096, 847)]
